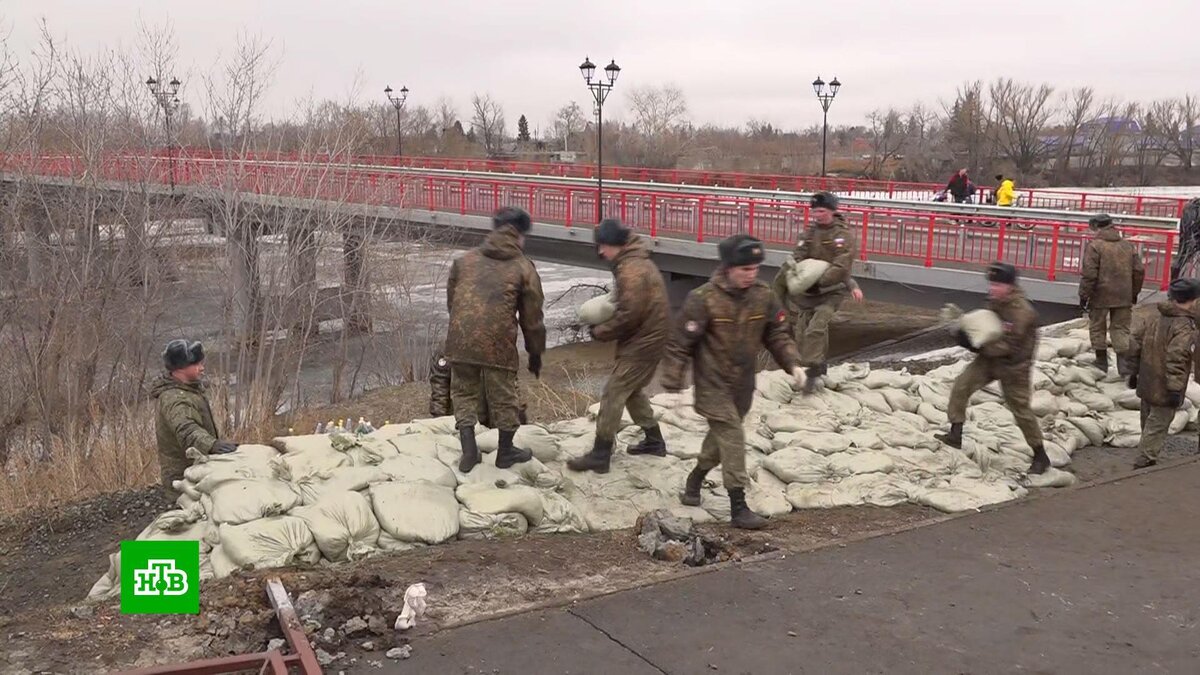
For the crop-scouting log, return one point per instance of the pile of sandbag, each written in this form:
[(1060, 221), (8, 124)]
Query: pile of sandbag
[(867, 437)]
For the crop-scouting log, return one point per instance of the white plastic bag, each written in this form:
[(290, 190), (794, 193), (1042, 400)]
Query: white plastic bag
[(982, 327)]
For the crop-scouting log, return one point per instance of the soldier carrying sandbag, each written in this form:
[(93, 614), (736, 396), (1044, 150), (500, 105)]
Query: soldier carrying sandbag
[(1112, 279), (722, 327), (640, 329), (184, 418), (1008, 357), (831, 241), (491, 290), (1160, 359)]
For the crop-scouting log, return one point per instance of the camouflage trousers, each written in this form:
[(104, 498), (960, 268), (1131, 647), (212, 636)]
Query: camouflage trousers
[(1156, 422), (725, 445), (478, 388), (1110, 323), (811, 330), (624, 391), (1014, 386)]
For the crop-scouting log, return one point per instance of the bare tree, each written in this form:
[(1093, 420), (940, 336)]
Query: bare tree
[(1176, 130), (966, 126), (886, 131), (488, 123), (1018, 118), (1078, 105), (568, 121), (660, 117)]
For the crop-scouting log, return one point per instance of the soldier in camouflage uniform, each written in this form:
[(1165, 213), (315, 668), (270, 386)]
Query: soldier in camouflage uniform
[(491, 291), (440, 402), (1160, 361), (183, 419), (640, 329), (723, 326), (1112, 279), (831, 240), (1008, 359)]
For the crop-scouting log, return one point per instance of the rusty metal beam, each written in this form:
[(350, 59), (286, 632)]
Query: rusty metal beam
[(293, 630)]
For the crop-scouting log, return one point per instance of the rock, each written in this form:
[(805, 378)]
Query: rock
[(325, 658), (355, 626), (276, 643), (310, 605), (368, 646), (400, 652), (377, 624), (82, 611), (246, 617), (329, 636)]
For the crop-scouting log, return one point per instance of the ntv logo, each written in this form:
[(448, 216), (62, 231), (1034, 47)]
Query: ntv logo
[(160, 578)]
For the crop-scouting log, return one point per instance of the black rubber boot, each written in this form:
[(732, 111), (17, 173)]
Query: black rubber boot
[(1122, 367), (597, 460), (1143, 462), (1040, 462), (954, 437), (652, 444), (812, 373), (470, 451), (1102, 360), (507, 455), (740, 515), (691, 490)]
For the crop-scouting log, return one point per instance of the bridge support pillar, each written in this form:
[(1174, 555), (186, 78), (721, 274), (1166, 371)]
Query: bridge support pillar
[(354, 251)]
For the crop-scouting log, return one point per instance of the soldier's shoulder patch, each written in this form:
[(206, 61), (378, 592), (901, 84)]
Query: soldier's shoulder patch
[(1007, 326), (692, 327), (781, 316), (839, 241), (442, 362)]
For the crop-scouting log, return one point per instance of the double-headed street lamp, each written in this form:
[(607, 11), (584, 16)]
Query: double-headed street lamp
[(397, 103), (600, 91), (165, 96), (825, 96)]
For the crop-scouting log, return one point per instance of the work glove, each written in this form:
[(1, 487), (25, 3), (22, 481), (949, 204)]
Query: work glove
[(535, 365), (1174, 399), (799, 376), (965, 342), (1133, 381), (223, 447)]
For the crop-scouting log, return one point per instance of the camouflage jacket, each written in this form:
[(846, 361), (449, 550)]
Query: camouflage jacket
[(640, 325), (1113, 272), (491, 290), (184, 420), (721, 331), (1160, 353), (836, 245), (1018, 345)]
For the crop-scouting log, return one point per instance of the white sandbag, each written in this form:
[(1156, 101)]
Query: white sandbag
[(364, 450), (873, 400), (559, 516), (249, 461), (1193, 392), (415, 512), (297, 465), (1068, 375), (304, 443), (1179, 422), (472, 525), (1128, 400), (1043, 403), (774, 385), (277, 541), (904, 436), (793, 420), (538, 440), (802, 274), (343, 526), (935, 417), (219, 564), (824, 443), (889, 379), (1059, 457), (1052, 478), (1127, 439), (108, 585), (597, 310), (315, 487), (241, 501), (683, 418), (845, 407), (982, 327), (966, 495), (864, 439), (845, 374), (900, 400), (866, 462), (1094, 400), (795, 465), (767, 495), (425, 444), (485, 498), (414, 468), (912, 420)]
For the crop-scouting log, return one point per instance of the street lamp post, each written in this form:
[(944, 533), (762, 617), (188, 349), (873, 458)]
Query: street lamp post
[(600, 91), (397, 103), (165, 97), (825, 97)]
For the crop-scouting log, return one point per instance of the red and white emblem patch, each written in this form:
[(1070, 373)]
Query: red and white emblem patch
[(781, 316), (692, 327)]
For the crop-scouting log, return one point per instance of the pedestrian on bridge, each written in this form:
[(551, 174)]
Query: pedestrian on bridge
[(1160, 361), (960, 187), (640, 327), (184, 418), (1008, 359), (722, 327), (1112, 279), (1006, 191), (491, 291), (831, 240)]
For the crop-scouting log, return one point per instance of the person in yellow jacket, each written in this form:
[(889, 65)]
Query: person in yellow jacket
[(1006, 193)]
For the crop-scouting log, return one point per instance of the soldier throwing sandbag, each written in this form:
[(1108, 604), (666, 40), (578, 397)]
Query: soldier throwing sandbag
[(639, 327), (1007, 358), (1111, 280), (1159, 362), (831, 241), (723, 325)]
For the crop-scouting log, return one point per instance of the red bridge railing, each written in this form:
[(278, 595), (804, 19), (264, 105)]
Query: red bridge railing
[(902, 233)]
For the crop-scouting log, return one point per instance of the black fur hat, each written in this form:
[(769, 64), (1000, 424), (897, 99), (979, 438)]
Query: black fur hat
[(1002, 273), (511, 215), (610, 231), (824, 200), (182, 353), (741, 250)]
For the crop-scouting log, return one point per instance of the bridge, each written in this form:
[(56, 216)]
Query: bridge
[(913, 253)]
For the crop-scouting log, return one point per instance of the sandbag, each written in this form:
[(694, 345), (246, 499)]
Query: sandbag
[(890, 379), (315, 487), (485, 498), (982, 326), (867, 462), (597, 310), (821, 442), (935, 417), (412, 468), (797, 465), (343, 526), (900, 400), (774, 385), (792, 421), (473, 525), (1052, 478), (249, 461), (559, 516), (415, 512), (278, 541), (538, 440), (1094, 400), (864, 439), (802, 274), (241, 501), (874, 401), (1043, 403)]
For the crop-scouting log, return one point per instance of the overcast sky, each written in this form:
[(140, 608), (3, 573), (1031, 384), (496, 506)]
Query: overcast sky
[(734, 60)]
